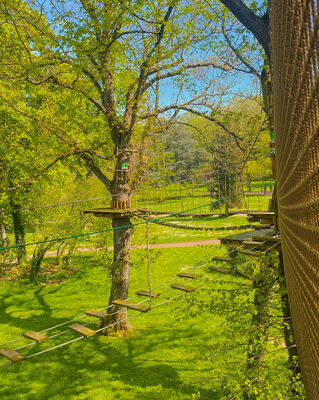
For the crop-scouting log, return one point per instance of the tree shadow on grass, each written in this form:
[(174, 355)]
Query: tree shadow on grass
[(102, 368)]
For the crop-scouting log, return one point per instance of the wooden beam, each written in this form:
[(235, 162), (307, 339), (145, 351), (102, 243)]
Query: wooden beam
[(188, 275), (37, 337), (83, 330), (147, 293), (128, 304), (226, 259), (12, 355), (182, 287), (95, 313)]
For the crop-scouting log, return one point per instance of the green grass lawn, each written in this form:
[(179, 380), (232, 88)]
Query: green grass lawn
[(170, 353), (162, 358)]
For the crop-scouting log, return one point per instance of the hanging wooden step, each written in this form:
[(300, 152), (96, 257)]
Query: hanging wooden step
[(147, 293), (83, 330), (226, 259), (37, 337), (188, 275), (12, 355), (251, 253), (251, 243), (128, 304), (182, 287), (273, 239), (95, 313)]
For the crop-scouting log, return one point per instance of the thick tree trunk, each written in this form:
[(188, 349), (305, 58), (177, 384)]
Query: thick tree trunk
[(19, 233), (122, 235)]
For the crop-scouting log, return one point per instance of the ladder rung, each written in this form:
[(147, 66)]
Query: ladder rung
[(95, 313), (188, 275), (128, 304), (182, 287), (37, 337), (12, 355), (272, 239), (227, 259), (83, 330), (251, 253), (252, 243), (146, 293)]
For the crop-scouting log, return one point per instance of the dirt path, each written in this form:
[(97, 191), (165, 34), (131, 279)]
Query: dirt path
[(152, 246)]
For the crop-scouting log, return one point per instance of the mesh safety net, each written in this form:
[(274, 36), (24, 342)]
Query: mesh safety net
[(294, 36)]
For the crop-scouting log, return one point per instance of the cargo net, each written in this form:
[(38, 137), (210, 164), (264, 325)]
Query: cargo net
[(295, 84)]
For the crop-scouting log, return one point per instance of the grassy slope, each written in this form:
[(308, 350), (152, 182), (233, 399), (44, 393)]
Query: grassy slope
[(161, 359)]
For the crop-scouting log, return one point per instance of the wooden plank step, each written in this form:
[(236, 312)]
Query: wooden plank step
[(95, 313), (147, 293), (188, 275), (227, 259), (12, 355), (182, 287), (272, 239), (83, 330), (251, 253), (128, 304), (37, 337), (252, 243)]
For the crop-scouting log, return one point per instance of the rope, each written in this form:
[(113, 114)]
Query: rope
[(116, 228), (148, 264)]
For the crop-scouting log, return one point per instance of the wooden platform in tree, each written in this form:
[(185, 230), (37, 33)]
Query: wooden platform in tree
[(110, 212), (182, 287), (188, 275), (266, 238), (37, 337), (95, 313), (226, 259), (133, 306), (147, 293), (264, 217), (83, 330), (12, 355)]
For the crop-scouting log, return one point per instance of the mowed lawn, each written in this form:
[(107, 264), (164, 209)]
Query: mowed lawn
[(164, 357)]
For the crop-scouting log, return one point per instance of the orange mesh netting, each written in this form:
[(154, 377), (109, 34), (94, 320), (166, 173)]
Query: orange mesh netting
[(295, 84)]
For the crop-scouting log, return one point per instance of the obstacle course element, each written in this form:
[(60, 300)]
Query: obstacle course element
[(37, 337), (182, 287), (108, 212), (225, 259), (12, 355), (188, 275), (147, 293), (83, 330), (95, 313), (128, 304)]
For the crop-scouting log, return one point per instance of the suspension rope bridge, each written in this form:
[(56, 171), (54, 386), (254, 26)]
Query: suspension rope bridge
[(38, 337)]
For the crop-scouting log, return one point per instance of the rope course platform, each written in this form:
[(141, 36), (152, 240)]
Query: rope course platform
[(263, 239), (264, 217), (108, 212), (225, 259), (12, 355)]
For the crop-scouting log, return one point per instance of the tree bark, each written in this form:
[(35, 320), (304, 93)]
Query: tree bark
[(4, 241), (19, 233)]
